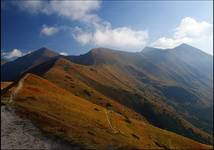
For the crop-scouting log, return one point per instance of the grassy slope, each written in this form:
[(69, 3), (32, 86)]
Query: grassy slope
[(105, 80), (5, 97), (65, 75), (58, 111), (5, 84)]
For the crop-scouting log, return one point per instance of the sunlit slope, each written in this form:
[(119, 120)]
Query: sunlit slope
[(179, 78), (105, 84), (57, 111), (66, 74)]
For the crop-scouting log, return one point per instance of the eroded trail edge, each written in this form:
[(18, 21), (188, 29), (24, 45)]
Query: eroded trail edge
[(18, 88)]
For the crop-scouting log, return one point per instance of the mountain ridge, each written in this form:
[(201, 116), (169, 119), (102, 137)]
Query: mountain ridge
[(86, 79), (13, 69), (149, 84)]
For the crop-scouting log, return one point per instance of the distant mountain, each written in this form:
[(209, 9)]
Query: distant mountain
[(150, 49), (164, 86), (191, 69), (182, 59), (3, 61), (12, 70), (170, 89)]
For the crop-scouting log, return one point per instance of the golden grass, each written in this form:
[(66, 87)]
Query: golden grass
[(5, 84), (77, 78), (70, 80), (59, 112)]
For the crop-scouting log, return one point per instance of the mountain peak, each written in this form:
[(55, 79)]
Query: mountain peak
[(184, 45), (99, 50), (149, 49), (44, 51), (14, 69), (96, 50)]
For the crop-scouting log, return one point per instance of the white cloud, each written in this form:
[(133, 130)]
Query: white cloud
[(189, 31), (15, 53), (73, 10), (76, 10), (190, 28), (32, 6), (81, 36), (48, 31), (166, 43), (63, 53), (101, 33), (117, 38)]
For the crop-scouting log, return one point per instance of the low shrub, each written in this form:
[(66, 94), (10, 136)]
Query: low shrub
[(108, 105), (87, 92), (135, 136)]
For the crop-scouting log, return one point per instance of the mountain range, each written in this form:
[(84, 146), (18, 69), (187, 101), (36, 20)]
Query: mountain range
[(150, 99)]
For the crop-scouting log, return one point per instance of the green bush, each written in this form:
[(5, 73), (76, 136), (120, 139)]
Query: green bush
[(108, 105), (66, 68)]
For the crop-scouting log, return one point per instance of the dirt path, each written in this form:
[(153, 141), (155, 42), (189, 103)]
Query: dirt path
[(109, 122), (19, 133), (18, 88)]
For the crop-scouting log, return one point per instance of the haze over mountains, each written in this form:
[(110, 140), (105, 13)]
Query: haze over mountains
[(169, 89)]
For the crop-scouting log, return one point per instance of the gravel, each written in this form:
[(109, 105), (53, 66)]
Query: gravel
[(19, 133)]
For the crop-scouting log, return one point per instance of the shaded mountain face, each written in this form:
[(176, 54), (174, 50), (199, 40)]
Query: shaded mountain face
[(184, 63), (3, 61), (12, 70), (161, 85), (167, 88)]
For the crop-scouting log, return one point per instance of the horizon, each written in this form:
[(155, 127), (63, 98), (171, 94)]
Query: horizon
[(99, 74), (58, 26), (62, 54)]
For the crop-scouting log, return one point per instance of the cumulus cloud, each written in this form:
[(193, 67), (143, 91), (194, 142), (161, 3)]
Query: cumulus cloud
[(117, 38), (63, 53), (76, 10), (81, 36), (188, 31), (101, 32), (191, 28), (48, 31), (15, 53), (73, 10), (32, 7)]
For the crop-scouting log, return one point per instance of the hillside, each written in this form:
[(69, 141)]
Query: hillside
[(25, 134), (79, 121), (135, 81), (152, 86), (13, 69)]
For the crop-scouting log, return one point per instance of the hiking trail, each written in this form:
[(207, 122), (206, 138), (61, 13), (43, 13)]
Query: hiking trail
[(114, 130), (18, 88)]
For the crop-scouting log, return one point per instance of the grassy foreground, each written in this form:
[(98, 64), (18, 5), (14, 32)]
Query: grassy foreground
[(75, 119)]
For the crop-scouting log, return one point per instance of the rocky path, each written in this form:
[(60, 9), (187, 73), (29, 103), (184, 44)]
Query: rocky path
[(19, 133), (18, 88)]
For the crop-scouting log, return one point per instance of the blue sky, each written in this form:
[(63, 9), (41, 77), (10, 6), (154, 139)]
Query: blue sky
[(74, 27)]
